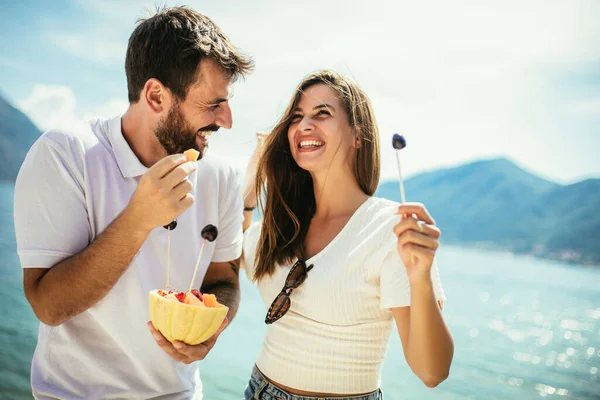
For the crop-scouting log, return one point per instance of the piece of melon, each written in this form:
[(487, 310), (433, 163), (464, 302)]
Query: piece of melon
[(191, 324), (210, 300), (191, 154)]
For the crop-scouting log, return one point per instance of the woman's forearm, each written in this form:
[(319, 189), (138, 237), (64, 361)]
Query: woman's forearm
[(430, 344)]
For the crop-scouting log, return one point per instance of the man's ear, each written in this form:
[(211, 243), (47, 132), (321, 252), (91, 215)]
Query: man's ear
[(156, 95)]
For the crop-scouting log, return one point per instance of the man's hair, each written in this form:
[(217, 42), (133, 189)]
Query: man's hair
[(169, 46)]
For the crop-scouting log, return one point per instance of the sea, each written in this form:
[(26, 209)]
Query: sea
[(524, 328)]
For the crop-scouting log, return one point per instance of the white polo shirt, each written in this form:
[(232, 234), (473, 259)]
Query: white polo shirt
[(70, 187)]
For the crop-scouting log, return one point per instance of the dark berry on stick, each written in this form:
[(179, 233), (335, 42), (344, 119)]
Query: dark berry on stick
[(210, 232), (172, 225), (398, 141)]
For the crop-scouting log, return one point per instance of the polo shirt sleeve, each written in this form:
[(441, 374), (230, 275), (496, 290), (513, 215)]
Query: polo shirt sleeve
[(229, 241), (50, 213)]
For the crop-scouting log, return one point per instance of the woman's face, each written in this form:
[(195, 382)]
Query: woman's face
[(319, 134)]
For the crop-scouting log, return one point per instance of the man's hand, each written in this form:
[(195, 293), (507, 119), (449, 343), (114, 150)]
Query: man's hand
[(77, 283), (163, 192), (185, 353)]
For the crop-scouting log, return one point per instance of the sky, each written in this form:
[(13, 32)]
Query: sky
[(462, 80)]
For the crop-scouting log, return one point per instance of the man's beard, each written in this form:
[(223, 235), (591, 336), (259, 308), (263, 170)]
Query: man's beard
[(176, 136)]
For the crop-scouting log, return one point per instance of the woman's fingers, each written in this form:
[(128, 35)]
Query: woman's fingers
[(416, 209), (415, 225)]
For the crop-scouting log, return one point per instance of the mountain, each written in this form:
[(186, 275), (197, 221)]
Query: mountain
[(490, 203), (496, 204), (17, 134)]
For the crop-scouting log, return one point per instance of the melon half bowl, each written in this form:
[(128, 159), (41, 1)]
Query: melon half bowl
[(179, 317)]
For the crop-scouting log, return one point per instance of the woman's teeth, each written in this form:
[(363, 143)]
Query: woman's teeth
[(310, 143)]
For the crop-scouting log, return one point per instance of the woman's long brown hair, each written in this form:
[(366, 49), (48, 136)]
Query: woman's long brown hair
[(285, 190)]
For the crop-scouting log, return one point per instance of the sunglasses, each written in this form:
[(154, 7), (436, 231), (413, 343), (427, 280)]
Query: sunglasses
[(282, 302)]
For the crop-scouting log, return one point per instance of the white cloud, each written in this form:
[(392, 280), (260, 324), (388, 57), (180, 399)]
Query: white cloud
[(590, 107), (106, 52), (462, 80), (50, 106), (55, 106), (111, 108)]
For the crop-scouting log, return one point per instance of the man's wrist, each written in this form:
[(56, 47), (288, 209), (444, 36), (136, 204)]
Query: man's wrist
[(133, 224)]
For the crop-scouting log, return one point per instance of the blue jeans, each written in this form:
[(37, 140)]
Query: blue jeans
[(259, 388)]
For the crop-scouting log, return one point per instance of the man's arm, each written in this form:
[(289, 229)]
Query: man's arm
[(78, 282), (222, 280)]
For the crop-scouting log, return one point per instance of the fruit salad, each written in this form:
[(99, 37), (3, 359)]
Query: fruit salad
[(192, 297)]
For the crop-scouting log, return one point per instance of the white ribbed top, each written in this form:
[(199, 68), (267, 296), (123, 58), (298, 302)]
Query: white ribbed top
[(335, 335)]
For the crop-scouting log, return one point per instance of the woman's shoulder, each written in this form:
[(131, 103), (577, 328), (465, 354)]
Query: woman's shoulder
[(383, 203), (379, 210), (372, 235), (376, 221)]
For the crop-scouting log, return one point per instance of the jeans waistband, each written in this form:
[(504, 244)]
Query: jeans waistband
[(267, 387)]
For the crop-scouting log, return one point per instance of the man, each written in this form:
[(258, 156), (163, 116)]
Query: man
[(90, 207)]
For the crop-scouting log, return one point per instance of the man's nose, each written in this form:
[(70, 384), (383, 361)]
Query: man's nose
[(224, 118)]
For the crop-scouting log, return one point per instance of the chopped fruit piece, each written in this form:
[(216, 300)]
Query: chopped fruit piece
[(171, 296), (192, 300), (210, 300), (210, 232), (180, 296), (191, 154), (197, 293)]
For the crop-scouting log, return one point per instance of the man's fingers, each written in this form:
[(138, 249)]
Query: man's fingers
[(197, 352), (179, 173), (186, 202), (183, 188), (167, 347), (166, 165)]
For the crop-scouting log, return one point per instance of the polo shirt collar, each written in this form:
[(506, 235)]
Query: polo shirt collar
[(127, 161)]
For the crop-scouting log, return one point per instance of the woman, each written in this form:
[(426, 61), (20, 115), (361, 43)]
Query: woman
[(335, 265)]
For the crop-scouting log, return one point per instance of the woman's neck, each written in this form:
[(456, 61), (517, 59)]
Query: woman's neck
[(337, 194)]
